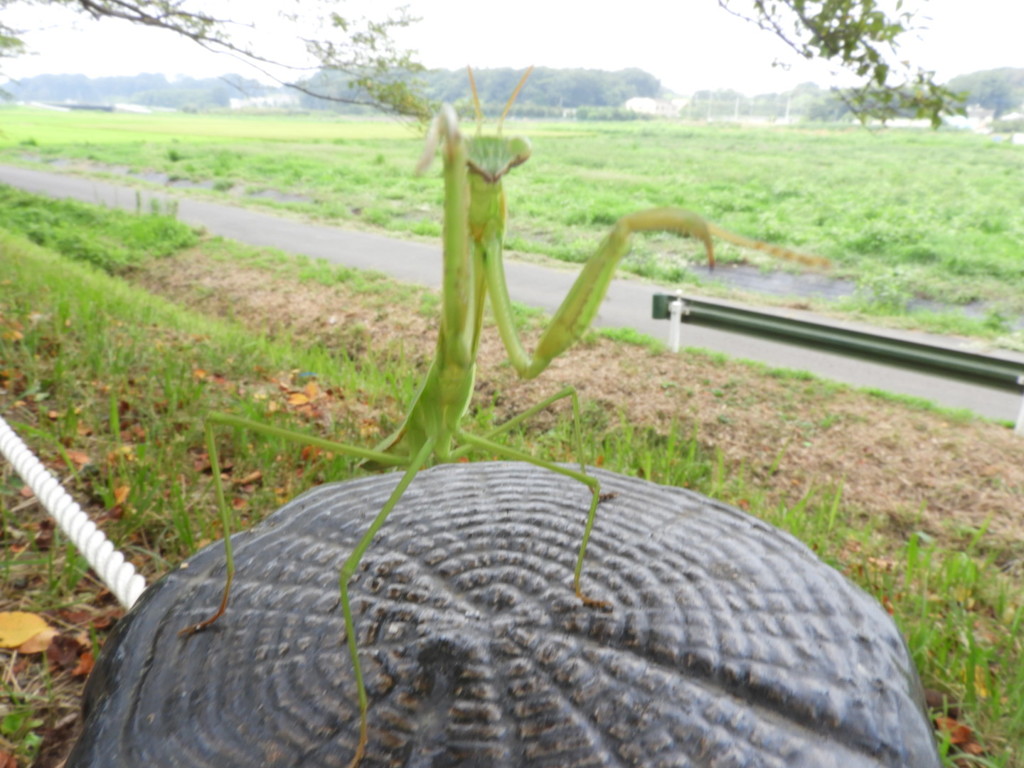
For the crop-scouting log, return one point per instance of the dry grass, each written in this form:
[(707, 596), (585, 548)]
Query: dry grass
[(906, 468)]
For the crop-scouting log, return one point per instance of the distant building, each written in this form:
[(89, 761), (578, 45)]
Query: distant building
[(283, 100), (977, 119), (44, 105), (660, 107), (908, 122)]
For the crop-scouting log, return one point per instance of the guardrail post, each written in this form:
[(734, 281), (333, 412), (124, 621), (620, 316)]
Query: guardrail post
[(675, 317), (1019, 429)]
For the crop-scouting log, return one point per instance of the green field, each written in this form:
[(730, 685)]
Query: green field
[(907, 214)]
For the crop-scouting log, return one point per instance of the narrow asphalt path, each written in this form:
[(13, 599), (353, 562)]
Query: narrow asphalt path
[(628, 304)]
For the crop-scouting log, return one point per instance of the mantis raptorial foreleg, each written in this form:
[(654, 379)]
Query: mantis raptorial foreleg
[(580, 305), (473, 235)]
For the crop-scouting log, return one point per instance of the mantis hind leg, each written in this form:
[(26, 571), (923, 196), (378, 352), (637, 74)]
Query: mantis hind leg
[(532, 411), (227, 518), (470, 441), (351, 563), (227, 522)]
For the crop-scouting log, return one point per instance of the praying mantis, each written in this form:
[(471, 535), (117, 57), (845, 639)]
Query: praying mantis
[(473, 273)]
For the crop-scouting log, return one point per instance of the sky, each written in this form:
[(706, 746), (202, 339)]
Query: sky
[(689, 44)]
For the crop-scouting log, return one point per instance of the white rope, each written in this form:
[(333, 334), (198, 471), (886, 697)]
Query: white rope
[(116, 572)]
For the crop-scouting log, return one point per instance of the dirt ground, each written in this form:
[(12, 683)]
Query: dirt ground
[(906, 468)]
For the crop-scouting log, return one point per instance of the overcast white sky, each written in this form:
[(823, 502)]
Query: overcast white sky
[(688, 44)]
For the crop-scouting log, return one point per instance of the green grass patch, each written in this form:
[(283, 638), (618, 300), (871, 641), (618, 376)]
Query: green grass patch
[(961, 615), (112, 240), (87, 353), (33, 127), (910, 214)]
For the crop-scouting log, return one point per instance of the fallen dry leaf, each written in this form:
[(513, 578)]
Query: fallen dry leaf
[(121, 494), (44, 538), (253, 477), (297, 398), (63, 652), (75, 617), (960, 735), (39, 642), (80, 458), (121, 453), (108, 619), (18, 626), (84, 666)]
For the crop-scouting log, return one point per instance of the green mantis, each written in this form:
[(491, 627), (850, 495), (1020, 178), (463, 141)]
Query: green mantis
[(473, 234)]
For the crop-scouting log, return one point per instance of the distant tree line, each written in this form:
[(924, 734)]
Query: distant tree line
[(585, 94), (152, 90), (548, 93), (805, 102), (1001, 90)]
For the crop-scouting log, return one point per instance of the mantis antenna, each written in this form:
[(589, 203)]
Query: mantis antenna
[(512, 98), (476, 98), (508, 105)]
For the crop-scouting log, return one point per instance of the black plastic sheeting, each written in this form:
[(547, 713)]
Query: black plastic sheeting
[(728, 643)]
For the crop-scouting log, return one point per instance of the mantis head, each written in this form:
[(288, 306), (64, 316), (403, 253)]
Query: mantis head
[(491, 157), (488, 157)]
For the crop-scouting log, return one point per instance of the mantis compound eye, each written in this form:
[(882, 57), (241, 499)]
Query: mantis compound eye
[(519, 148)]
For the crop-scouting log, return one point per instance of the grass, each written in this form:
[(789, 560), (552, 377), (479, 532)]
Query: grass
[(111, 240), (907, 214), (109, 384)]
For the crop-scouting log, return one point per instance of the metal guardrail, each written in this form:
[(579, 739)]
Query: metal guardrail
[(951, 363)]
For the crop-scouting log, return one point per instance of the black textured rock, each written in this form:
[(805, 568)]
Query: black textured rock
[(728, 644)]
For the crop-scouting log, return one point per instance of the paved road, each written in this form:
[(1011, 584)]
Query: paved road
[(628, 303)]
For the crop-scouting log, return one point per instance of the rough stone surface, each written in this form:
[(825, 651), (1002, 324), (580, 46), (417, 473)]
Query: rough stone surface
[(728, 642)]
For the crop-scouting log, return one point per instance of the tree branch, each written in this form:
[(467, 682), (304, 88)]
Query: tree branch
[(362, 50), (862, 39)]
